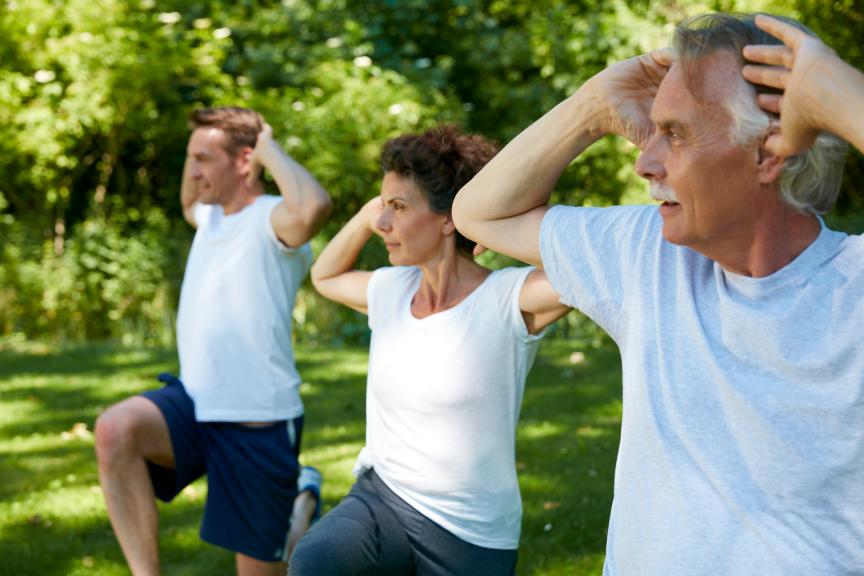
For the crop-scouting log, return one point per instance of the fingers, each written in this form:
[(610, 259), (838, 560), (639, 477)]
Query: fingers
[(779, 145), (784, 32), (770, 102), (773, 76), (773, 55), (654, 65), (478, 250), (663, 56), (776, 146)]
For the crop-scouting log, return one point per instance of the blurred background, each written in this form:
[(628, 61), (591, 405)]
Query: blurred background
[(94, 96)]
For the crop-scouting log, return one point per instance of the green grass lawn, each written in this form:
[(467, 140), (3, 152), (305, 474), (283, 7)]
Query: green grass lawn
[(52, 517)]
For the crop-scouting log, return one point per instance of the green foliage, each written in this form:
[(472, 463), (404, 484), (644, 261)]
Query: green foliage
[(94, 95), (104, 285)]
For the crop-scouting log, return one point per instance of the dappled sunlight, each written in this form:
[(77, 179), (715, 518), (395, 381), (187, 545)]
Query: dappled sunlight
[(30, 444), (540, 431), (566, 445), (341, 433), (337, 453)]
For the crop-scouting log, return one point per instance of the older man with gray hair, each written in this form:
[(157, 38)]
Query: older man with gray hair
[(738, 313)]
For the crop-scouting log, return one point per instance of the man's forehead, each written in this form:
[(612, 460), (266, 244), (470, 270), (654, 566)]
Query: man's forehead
[(672, 97), (709, 79), (206, 139)]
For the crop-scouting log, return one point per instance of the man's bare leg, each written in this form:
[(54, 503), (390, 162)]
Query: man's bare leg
[(248, 566), (127, 434), (301, 519)]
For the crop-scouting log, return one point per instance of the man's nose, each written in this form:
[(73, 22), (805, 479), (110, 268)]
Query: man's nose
[(195, 170), (649, 165)]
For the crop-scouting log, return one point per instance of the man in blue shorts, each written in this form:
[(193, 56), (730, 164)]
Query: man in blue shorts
[(235, 413)]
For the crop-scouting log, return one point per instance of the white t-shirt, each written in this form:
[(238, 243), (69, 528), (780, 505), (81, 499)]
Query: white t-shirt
[(443, 399), (234, 321), (742, 441)]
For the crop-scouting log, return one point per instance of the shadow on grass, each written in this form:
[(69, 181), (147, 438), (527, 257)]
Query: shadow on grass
[(41, 545), (53, 390), (566, 448), (96, 358), (19, 470)]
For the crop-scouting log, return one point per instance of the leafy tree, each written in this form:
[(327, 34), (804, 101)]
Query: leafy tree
[(94, 96)]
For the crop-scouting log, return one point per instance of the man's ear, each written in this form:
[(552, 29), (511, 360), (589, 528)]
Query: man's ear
[(769, 166), (243, 161)]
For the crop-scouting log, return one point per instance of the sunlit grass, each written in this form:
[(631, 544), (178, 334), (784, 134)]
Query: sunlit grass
[(52, 516)]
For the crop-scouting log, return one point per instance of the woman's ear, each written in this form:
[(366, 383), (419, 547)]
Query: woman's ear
[(449, 227)]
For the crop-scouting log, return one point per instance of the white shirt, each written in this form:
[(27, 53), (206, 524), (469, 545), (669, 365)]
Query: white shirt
[(234, 320), (742, 441), (443, 400)]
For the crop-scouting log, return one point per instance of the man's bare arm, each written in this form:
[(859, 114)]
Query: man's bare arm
[(305, 204), (503, 206), (188, 194)]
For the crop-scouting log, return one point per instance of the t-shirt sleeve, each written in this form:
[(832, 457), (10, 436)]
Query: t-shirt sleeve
[(508, 289), (592, 257), (372, 289), (376, 291)]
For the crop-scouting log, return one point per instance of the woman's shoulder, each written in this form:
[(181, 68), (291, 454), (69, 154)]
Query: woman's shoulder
[(509, 276), (394, 277)]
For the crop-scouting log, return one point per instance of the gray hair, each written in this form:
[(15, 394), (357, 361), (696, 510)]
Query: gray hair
[(810, 181)]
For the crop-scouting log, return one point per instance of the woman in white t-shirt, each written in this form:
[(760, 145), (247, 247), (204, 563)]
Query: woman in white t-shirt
[(452, 344)]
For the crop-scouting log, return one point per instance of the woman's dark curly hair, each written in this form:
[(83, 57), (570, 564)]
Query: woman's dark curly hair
[(440, 161)]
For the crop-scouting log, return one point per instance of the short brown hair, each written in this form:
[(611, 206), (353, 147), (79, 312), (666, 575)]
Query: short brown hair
[(440, 161), (241, 125)]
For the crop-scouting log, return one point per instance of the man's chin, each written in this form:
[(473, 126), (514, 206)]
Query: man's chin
[(671, 236)]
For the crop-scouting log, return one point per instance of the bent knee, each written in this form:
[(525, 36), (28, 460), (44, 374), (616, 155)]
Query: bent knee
[(120, 429)]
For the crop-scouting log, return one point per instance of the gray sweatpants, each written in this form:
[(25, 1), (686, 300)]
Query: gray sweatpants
[(373, 531)]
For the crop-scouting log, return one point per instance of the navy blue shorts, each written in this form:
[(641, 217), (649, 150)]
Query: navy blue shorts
[(251, 474)]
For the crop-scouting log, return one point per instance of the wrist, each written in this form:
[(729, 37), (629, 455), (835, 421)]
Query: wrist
[(269, 152), (845, 118), (588, 116)]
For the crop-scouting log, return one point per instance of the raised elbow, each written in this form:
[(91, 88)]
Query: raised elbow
[(459, 212)]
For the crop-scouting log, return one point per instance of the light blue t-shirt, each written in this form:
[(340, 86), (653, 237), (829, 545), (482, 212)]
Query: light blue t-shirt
[(742, 441)]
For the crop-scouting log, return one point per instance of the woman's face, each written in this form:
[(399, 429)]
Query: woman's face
[(412, 233)]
